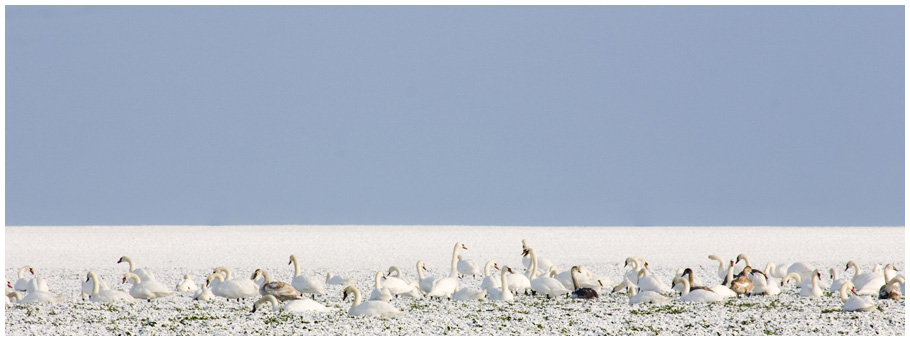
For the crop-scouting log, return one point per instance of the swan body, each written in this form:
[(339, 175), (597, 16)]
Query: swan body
[(776, 271), (396, 286), (856, 302), (281, 290), (88, 287), (742, 285), (233, 288), (696, 294), (542, 262), (35, 295), (488, 280), (331, 279), (412, 288), (100, 294), (13, 297), (804, 270), (425, 283), (551, 287), (204, 294), (518, 282), (144, 274), (502, 293), (865, 283), (836, 282), (637, 264), (646, 282), (581, 292), (723, 290), (22, 283), (303, 283), (298, 305), (469, 294), (813, 290), (637, 297), (565, 277), (446, 286), (145, 290), (187, 284), (379, 293), (467, 267), (762, 285), (370, 308)]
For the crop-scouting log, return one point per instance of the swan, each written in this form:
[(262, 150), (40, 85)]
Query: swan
[(637, 264), (100, 293), (331, 279), (836, 282), (205, 293), (369, 308), (22, 283), (379, 293), (411, 288), (187, 284), (721, 269), (13, 297), (396, 286), (891, 289), (502, 293), (722, 289), (281, 290), (857, 302), (762, 285), (467, 267), (890, 271), (551, 287), (36, 295), (9, 287), (426, 283), (145, 290), (696, 294), (582, 293), (865, 283), (233, 288), (647, 282), (636, 297), (812, 290), (776, 271), (742, 285), (469, 294), (804, 270), (88, 287), (680, 272), (303, 283), (297, 305), (744, 258), (565, 277), (542, 262), (144, 274), (488, 280), (447, 286), (690, 275)]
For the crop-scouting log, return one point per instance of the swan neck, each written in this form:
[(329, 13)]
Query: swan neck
[(486, 268), (843, 292), (533, 255), (265, 276), (377, 284), (454, 272), (296, 266), (574, 279), (95, 286), (419, 272), (502, 277), (129, 261), (687, 286), (22, 272)]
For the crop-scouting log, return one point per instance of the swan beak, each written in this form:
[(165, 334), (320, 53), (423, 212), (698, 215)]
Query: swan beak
[(345, 296), (124, 280), (120, 260), (646, 266), (854, 291), (464, 247), (510, 271), (494, 265), (524, 252), (424, 268), (31, 270), (289, 263)]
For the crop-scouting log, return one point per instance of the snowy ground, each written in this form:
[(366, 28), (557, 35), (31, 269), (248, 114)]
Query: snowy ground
[(63, 255)]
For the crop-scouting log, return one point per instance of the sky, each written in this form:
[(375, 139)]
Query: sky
[(438, 115)]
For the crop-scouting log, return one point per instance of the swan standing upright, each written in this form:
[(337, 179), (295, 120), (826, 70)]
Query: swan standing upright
[(379, 293), (836, 282), (369, 308), (426, 283), (303, 283), (446, 286), (502, 293), (550, 287)]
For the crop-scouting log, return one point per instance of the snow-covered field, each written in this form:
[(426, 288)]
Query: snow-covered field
[(63, 256)]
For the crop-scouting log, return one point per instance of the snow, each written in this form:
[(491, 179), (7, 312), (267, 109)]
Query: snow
[(63, 256)]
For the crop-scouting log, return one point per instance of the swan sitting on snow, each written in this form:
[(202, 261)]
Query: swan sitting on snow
[(35, 294), (857, 302), (581, 292), (145, 290), (891, 290), (187, 284), (696, 294), (865, 283), (101, 294), (469, 294), (298, 305), (647, 282), (88, 287), (303, 283), (379, 293), (813, 290), (369, 308), (331, 279), (281, 290), (488, 280), (836, 282), (205, 293), (411, 288), (446, 286), (636, 297), (233, 288), (144, 274), (502, 293), (22, 283)]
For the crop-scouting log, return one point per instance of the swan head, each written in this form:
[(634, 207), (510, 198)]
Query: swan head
[(10, 285), (641, 273), (291, 260), (524, 252), (891, 267), (129, 276), (849, 264), (740, 257), (687, 271), (462, 246)]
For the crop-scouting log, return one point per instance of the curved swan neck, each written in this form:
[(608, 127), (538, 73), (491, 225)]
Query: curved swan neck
[(574, 279), (502, 275), (22, 271), (454, 272), (357, 299), (420, 270), (769, 267), (729, 279), (855, 268), (378, 276), (833, 274), (95, 287), (296, 265), (843, 290), (129, 261), (533, 270), (209, 282), (685, 283), (132, 276), (486, 268), (265, 276)]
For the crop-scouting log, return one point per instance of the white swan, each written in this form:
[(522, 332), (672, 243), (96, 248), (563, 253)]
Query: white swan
[(369, 308), (88, 287), (144, 274), (803, 269), (812, 290), (739, 268), (205, 293), (426, 283), (446, 286), (187, 284), (776, 271), (13, 297), (101, 295), (22, 283), (637, 297), (35, 294), (551, 287), (721, 268), (542, 263), (379, 293), (581, 292), (646, 282), (502, 293), (722, 289), (281, 290), (234, 288), (468, 267), (865, 283), (762, 285), (696, 294), (411, 289), (331, 279), (469, 294), (565, 277), (145, 290), (637, 264), (857, 302), (892, 289), (396, 286), (298, 305), (305, 284), (836, 282), (488, 280)]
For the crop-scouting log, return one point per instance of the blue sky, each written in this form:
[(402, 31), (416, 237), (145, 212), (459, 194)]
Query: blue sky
[(480, 115)]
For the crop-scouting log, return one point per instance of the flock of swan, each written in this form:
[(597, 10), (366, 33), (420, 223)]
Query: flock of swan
[(540, 278)]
